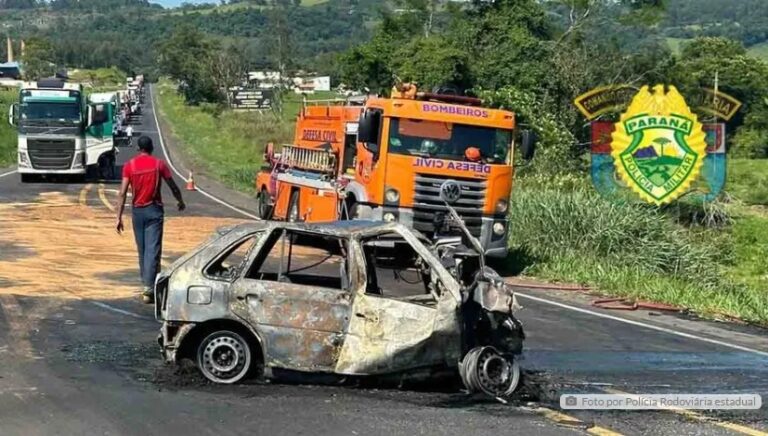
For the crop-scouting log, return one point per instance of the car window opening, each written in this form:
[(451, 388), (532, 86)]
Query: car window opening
[(395, 270), (293, 257), (228, 266)]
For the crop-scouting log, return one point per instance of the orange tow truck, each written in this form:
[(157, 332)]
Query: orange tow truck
[(398, 159)]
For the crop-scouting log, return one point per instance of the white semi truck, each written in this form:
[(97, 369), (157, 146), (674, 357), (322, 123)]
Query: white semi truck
[(60, 132)]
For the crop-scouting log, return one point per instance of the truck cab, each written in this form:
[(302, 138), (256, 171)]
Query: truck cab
[(411, 150), (53, 118), (399, 159)]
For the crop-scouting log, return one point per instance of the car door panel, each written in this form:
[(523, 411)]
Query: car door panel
[(388, 335), (302, 327)]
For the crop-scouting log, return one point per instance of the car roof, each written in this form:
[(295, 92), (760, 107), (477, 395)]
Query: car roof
[(332, 228)]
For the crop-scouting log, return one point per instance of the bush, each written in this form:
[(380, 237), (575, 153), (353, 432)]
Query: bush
[(635, 250), (7, 132), (551, 223), (555, 154)]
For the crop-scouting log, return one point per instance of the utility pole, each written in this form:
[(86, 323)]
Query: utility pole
[(9, 45)]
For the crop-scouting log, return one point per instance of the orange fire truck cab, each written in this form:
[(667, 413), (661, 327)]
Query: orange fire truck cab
[(398, 159)]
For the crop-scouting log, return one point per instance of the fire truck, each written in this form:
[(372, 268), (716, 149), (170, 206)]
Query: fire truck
[(398, 159)]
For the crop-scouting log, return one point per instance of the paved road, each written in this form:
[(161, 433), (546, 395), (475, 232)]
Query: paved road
[(77, 350)]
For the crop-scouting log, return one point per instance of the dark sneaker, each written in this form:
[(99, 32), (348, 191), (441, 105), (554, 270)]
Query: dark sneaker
[(148, 297)]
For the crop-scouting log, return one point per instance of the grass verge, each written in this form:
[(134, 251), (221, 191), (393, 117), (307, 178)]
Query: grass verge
[(227, 145), (7, 132), (633, 250), (748, 181)]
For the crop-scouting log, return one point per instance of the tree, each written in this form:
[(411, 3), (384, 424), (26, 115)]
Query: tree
[(739, 75), (228, 68), (663, 142), (187, 56), (280, 35), (38, 59), (432, 62)]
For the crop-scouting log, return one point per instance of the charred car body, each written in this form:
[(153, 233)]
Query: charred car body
[(348, 298)]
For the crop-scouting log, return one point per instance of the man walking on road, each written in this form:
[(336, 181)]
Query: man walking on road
[(144, 174), (129, 134)]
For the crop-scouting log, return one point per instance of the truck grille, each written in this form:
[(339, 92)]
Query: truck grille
[(427, 203), (51, 154)]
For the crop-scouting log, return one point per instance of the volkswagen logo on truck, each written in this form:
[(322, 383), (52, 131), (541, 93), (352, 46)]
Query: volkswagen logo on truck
[(450, 191)]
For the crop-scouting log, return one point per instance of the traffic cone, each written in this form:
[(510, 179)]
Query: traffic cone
[(191, 183)]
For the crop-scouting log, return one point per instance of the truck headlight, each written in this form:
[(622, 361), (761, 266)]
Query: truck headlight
[(502, 206), (499, 228), (392, 196), (24, 160)]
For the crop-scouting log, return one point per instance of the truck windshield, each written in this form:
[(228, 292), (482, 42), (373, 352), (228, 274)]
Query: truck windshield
[(49, 111), (448, 140)]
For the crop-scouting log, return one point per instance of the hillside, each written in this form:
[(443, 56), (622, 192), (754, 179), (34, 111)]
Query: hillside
[(125, 33), (742, 20)]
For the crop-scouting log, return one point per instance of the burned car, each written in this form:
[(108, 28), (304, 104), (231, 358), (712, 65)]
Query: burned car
[(349, 298)]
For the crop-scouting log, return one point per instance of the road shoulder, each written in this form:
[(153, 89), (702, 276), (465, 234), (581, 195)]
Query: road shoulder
[(175, 149)]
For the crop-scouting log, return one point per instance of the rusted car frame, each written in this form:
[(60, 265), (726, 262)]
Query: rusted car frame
[(246, 299)]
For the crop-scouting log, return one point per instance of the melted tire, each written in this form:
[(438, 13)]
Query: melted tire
[(485, 370)]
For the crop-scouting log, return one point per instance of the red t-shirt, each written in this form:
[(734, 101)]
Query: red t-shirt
[(146, 174)]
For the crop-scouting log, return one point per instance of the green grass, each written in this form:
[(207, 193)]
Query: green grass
[(750, 265), (228, 146), (639, 251), (748, 181), (759, 51), (7, 132)]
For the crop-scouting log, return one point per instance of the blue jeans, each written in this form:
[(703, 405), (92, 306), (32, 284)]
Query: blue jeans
[(148, 230)]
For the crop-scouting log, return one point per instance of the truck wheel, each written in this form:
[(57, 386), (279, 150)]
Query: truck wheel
[(107, 166), (264, 209), (224, 357), (293, 208)]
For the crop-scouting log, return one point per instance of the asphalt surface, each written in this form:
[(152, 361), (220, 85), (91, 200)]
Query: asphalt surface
[(78, 352)]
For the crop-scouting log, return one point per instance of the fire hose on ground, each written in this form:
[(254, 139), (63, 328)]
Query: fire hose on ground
[(620, 303)]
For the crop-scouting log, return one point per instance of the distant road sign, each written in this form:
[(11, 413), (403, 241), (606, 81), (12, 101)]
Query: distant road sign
[(251, 99)]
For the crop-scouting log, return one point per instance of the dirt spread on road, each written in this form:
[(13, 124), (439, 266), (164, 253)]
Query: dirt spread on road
[(65, 249)]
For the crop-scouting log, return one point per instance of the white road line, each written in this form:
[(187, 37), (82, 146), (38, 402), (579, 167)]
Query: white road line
[(168, 158), (8, 173), (530, 297), (644, 325), (118, 310)]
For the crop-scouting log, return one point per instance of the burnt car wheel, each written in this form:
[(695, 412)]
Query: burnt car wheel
[(486, 370), (224, 357)]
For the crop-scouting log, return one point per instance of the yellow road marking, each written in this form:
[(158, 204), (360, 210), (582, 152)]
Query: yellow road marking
[(695, 416), (103, 197), (570, 421), (84, 194)]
